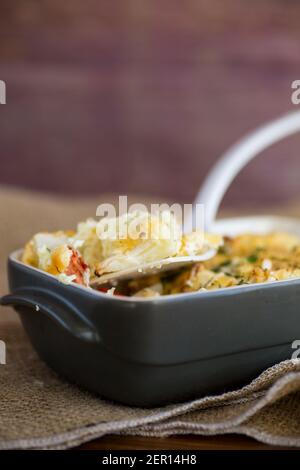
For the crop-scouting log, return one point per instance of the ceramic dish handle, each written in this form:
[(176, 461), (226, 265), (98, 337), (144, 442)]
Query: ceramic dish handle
[(64, 314), (232, 162)]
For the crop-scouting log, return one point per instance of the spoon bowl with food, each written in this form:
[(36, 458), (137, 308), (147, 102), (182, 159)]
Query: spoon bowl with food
[(141, 243)]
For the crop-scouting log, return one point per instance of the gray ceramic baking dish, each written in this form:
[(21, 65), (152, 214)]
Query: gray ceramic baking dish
[(147, 352)]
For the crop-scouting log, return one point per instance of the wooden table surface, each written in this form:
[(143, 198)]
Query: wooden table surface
[(226, 442)]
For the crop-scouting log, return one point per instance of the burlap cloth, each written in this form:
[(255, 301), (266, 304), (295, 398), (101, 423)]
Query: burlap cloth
[(40, 410)]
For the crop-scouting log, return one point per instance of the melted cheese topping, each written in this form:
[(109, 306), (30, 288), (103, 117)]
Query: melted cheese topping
[(136, 238)]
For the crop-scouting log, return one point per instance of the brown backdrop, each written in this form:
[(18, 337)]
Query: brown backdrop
[(143, 96)]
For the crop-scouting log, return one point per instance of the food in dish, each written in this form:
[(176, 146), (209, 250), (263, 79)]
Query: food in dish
[(57, 253), (83, 255), (112, 245)]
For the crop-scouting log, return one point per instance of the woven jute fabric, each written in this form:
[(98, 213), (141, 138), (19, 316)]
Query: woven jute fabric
[(39, 410)]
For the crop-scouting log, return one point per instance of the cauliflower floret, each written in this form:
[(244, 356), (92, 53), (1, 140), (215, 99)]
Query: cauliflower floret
[(54, 254), (136, 238), (38, 250), (87, 242)]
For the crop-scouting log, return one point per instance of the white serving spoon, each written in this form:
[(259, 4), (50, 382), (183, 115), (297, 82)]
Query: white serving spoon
[(212, 192), (162, 265)]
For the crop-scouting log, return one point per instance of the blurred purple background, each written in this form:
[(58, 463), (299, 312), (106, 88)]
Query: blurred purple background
[(142, 96)]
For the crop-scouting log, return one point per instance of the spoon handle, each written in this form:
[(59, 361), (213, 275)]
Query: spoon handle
[(231, 163)]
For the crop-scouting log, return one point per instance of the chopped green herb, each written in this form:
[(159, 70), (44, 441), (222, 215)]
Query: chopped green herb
[(252, 259)]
